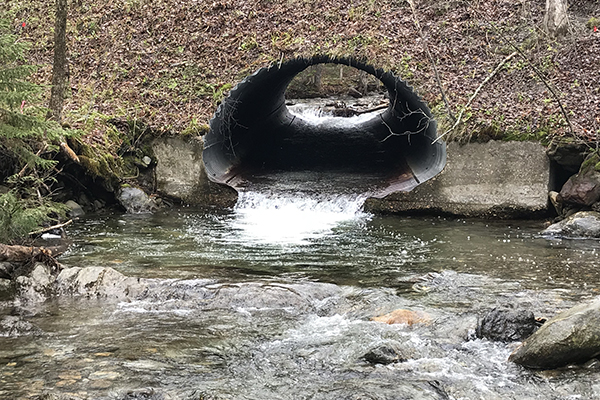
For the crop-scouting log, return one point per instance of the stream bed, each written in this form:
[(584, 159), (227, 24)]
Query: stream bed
[(274, 300)]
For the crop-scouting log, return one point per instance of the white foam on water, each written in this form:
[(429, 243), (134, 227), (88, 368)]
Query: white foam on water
[(286, 218), (317, 116)]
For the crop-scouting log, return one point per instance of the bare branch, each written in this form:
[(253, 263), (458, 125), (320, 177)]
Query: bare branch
[(433, 64), (424, 122), (51, 228), (474, 95)]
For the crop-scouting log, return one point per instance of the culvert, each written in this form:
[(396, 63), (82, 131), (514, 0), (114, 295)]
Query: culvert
[(253, 133)]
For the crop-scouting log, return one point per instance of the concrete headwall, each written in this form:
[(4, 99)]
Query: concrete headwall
[(180, 173), (490, 180)]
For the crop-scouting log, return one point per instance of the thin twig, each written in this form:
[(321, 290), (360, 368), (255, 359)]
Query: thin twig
[(51, 228), (535, 70), (372, 109), (407, 133), (490, 76), (435, 70)]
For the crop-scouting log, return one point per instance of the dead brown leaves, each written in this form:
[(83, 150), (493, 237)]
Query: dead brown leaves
[(164, 61)]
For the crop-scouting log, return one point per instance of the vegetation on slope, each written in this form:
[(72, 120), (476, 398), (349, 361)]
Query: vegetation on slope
[(27, 146), (168, 62)]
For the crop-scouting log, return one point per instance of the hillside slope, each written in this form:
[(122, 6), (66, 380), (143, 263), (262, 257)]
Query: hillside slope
[(168, 63)]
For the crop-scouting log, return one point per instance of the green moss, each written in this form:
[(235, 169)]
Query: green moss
[(91, 166), (592, 22), (591, 162), (527, 136), (194, 128)]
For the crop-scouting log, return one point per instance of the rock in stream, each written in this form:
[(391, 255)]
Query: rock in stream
[(584, 224), (506, 325), (571, 337)]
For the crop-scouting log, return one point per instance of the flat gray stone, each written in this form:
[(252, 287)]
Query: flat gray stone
[(75, 209), (583, 224), (136, 201)]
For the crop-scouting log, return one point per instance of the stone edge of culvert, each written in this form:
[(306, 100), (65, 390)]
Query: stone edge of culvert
[(491, 180)]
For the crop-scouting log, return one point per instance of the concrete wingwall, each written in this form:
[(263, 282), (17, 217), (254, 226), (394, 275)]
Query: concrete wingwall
[(180, 174), (487, 180)]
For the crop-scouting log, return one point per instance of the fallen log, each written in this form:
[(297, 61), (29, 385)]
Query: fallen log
[(16, 253)]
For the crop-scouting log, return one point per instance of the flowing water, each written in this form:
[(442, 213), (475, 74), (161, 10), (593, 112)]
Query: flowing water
[(244, 308), (274, 300)]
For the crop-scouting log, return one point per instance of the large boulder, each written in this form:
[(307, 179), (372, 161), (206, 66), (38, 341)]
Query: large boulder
[(35, 287), (584, 224), (91, 282), (571, 337), (582, 189), (506, 325), (490, 180), (97, 282)]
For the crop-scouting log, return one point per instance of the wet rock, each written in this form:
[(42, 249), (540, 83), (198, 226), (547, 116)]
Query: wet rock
[(404, 317), (200, 395), (75, 210), (7, 289), (6, 270), (13, 326), (143, 394), (505, 325), (582, 189), (98, 205), (556, 201), (580, 224), (383, 355), (35, 287), (251, 297), (572, 336), (136, 201), (97, 282)]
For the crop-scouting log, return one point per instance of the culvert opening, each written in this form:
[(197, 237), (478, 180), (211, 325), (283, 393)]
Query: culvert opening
[(255, 132)]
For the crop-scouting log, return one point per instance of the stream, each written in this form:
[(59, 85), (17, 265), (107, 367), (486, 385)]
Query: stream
[(244, 308), (273, 300)]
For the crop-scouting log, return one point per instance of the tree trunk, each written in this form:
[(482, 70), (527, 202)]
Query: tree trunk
[(59, 67), (556, 20), (318, 77)]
